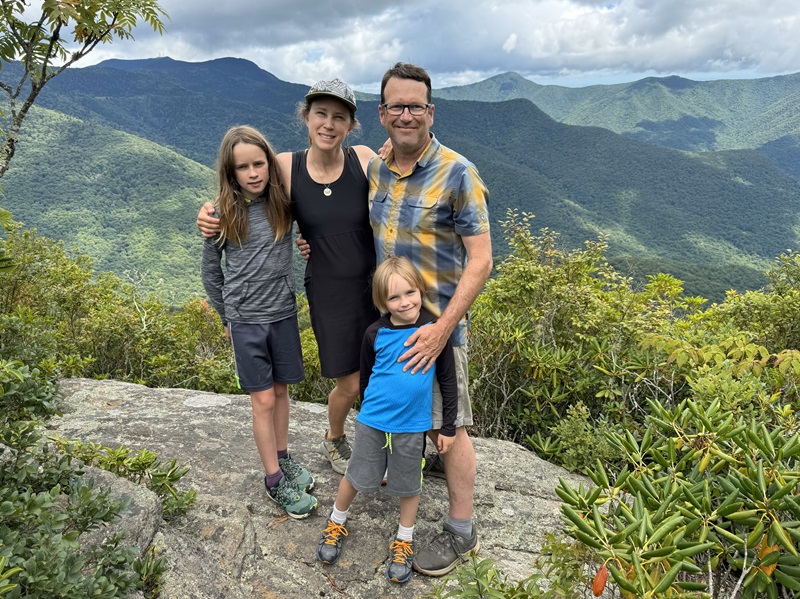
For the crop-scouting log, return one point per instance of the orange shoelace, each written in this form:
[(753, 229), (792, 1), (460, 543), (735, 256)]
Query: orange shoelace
[(400, 550), (333, 531)]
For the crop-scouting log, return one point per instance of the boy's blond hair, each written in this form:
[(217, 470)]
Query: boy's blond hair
[(394, 266)]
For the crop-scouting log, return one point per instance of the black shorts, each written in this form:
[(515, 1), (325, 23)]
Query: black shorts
[(266, 354)]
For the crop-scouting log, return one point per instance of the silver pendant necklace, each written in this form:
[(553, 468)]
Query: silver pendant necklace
[(327, 191)]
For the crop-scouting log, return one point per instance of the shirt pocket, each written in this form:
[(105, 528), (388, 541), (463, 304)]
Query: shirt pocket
[(420, 212), (379, 208)]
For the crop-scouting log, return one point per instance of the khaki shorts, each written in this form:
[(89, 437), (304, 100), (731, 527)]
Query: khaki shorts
[(464, 412)]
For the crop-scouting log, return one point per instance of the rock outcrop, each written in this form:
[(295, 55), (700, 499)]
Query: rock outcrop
[(235, 543)]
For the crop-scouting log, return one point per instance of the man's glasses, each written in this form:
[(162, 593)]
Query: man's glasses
[(413, 109)]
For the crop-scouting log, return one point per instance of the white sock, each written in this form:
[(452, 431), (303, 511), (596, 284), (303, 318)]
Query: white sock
[(405, 534), (338, 516)]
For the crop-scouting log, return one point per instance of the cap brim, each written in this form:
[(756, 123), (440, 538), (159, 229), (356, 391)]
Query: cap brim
[(313, 95)]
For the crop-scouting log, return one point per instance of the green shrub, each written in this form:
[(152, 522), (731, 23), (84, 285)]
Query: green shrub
[(707, 497), (45, 507), (24, 393), (560, 573), (556, 328)]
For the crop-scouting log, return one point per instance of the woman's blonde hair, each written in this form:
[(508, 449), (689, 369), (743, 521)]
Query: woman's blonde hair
[(230, 201), (394, 266)]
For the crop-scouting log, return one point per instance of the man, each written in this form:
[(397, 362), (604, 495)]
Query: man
[(429, 204)]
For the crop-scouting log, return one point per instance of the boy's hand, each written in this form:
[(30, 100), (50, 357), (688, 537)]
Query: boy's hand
[(444, 443)]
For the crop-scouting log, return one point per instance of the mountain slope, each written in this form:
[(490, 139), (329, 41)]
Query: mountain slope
[(125, 201)]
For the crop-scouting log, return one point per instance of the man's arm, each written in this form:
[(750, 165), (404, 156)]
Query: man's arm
[(428, 341)]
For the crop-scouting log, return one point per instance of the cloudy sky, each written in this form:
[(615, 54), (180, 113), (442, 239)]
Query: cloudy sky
[(563, 42)]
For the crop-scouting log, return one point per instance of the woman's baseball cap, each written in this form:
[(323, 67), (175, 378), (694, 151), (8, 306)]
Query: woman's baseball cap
[(334, 89)]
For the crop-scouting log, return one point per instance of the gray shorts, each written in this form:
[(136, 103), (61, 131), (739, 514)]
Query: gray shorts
[(267, 353), (371, 458), (464, 413)]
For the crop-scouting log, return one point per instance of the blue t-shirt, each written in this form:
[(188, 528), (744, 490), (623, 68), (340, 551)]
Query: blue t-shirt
[(394, 401)]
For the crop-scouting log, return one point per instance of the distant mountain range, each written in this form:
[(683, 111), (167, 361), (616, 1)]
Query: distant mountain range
[(118, 158)]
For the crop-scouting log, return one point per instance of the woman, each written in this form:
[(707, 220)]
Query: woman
[(328, 188)]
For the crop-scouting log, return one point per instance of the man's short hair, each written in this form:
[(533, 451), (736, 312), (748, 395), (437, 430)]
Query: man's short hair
[(404, 70)]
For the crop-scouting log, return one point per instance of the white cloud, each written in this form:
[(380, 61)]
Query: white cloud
[(546, 40), (510, 43)]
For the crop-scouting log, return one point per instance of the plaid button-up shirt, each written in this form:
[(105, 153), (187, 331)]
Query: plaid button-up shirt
[(423, 215)]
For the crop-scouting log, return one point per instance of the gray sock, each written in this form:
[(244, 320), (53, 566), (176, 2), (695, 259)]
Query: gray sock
[(462, 527)]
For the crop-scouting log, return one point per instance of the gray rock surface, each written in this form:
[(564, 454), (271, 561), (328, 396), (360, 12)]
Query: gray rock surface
[(235, 543)]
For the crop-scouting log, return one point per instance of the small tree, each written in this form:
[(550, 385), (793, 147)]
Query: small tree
[(37, 43)]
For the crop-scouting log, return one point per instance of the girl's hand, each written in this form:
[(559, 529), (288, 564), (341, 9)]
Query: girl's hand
[(444, 443)]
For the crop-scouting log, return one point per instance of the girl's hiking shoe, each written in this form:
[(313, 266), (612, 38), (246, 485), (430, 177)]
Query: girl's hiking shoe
[(298, 504), (297, 474), (401, 560), (330, 544)]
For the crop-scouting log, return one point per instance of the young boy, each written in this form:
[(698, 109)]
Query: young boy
[(395, 415)]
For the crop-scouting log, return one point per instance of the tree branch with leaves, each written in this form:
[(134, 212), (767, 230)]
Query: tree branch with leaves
[(64, 32)]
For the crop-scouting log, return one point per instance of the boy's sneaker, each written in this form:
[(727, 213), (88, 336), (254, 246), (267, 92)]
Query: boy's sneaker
[(401, 560), (446, 551), (338, 452), (297, 474), (434, 466), (298, 504), (330, 543)]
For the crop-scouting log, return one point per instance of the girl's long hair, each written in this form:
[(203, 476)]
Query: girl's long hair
[(230, 201)]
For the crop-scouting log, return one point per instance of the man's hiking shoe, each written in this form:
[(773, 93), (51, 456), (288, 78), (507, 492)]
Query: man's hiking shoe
[(434, 466), (330, 543), (401, 560), (298, 504), (297, 474), (338, 452), (446, 551)]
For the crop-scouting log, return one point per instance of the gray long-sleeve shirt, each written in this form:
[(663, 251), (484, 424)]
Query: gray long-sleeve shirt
[(256, 285)]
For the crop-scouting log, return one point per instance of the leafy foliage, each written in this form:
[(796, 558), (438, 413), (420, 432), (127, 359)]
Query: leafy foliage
[(560, 573), (141, 466), (557, 330), (45, 507)]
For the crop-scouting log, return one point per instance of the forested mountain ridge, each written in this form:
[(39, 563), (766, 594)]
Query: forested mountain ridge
[(714, 220), (670, 111)]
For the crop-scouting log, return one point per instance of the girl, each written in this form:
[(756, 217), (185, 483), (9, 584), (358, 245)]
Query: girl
[(255, 298), (395, 415), (328, 188)]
